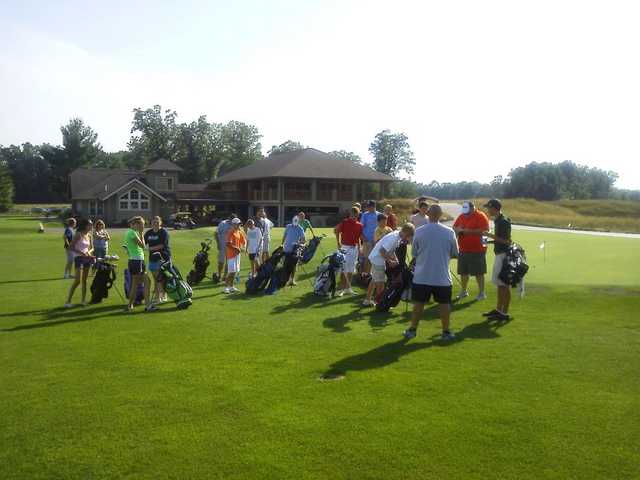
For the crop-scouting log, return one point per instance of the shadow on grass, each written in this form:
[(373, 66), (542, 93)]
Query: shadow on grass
[(392, 352), (379, 320), (31, 281), (62, 316), (310, 299)]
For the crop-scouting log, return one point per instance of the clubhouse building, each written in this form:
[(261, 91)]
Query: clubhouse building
[(285, 183)]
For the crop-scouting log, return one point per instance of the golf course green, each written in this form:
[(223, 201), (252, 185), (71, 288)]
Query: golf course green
[(235, 387)]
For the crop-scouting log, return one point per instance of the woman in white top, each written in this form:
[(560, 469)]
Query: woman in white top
[(254, 245), (264, 225)]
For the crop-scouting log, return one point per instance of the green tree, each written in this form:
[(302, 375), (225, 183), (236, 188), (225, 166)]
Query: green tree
[(345, 155), (240, 146), (119, 159), (153, 136), (30, 172), (6, 187), (288, 146), (392, 154), (192, 149)]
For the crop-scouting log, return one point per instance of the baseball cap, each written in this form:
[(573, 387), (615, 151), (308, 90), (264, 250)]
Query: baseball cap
[(494, 203), (236, 221)]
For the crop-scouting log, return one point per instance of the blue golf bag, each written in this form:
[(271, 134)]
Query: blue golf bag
[(310, 249), (325, 282)]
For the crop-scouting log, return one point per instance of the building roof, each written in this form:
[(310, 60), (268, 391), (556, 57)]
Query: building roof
[(191, 187), (306, 163), (163, 165), (99, 183)]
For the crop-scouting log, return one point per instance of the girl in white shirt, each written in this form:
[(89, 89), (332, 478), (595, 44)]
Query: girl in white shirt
[(254, 245)]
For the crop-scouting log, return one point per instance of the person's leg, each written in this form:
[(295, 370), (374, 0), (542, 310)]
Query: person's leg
[(504, 299), (146, 288), (464, 282), (416, 315), (445, 313), (347, 278), (85, 274), (371, 291), (135, 281), (480, 280), (74, 285)]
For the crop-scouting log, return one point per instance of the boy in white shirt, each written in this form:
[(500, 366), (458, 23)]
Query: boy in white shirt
[(254, 245), (385, 252)]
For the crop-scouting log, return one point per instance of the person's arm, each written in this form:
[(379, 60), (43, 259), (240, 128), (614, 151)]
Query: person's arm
[(139, 238), (337, 231), (67, 243), (107, 236), (501, 240)]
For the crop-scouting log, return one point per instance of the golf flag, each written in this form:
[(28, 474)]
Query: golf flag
[(542, 245)]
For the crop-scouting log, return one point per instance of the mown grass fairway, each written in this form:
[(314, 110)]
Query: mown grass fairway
[(229, 388)]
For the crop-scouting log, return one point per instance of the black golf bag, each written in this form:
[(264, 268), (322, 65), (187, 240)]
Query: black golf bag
[(514, 267), (127, 288), (399, 280), (325, 282), (282, 274), (200, 264), (361, 278), (102, 281), (177, 289), (310, 249), (259, 282)]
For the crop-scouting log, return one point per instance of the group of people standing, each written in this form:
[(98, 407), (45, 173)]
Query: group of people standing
[(255, 239), (88, 244), (374, 236)]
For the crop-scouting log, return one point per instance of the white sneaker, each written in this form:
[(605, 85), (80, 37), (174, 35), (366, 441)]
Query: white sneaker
[(233, 290), (226, 290), (350, 291), (481, 296), (462, 294), (368, 303), (339, 293), (68, 305)]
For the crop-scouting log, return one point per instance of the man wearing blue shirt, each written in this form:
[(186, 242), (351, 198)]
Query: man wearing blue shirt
[(293, 235), (369, 220)]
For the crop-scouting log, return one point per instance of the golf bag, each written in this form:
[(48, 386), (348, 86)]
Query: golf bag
[(325, 282), (281, 275), (259, 282), (514, 267), (200, 264), (102, 281), (399, 280), (177, 289), (127, 288), (361, 278), (310, 249)]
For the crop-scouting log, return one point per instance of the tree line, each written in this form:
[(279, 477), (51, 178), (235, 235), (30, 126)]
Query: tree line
[(538, 180), (204, 150)]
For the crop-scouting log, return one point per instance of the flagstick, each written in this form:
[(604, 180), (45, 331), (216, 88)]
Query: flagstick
[(545, 252)]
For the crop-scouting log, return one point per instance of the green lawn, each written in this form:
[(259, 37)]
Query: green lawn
[(230, 388)]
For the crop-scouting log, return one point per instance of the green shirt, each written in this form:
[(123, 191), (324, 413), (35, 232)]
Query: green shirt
[(305, 224), (135, 251)]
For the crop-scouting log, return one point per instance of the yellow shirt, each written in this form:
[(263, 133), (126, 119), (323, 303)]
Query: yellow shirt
[(381, 232)]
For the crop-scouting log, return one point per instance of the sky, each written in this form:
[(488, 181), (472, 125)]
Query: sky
[(479, 87)]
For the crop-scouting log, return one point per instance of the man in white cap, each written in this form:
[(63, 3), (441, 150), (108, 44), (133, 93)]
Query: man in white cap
[(470, 226)]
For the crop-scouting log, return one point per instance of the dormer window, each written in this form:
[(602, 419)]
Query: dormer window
[(134, 200)]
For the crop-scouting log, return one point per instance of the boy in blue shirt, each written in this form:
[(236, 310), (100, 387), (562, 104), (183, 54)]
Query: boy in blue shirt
[(369, 222), (293, 235)]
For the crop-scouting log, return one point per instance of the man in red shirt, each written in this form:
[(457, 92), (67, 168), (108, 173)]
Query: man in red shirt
[(470, 227), (349, 237)]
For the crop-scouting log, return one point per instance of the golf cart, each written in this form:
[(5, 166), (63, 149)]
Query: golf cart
[(182, 220)]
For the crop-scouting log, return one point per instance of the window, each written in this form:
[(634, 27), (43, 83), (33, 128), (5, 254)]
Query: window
[(134, 200), (327, 191), (297, 191), (164, 184), (92, 207)]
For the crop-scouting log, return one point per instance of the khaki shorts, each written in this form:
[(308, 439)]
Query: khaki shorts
[(377, 273), (350, 258), (497, 268)]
